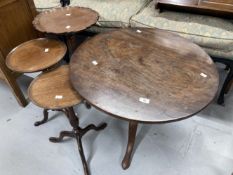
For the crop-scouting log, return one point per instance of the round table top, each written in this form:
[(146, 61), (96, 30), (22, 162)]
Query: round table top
[(52, 90), (35, 55), (145, 75), (65, 20)]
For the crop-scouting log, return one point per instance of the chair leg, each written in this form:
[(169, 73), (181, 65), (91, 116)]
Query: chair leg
[(225, 86)]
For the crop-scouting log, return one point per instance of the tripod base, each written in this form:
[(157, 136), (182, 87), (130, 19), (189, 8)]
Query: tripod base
[(77, 133)]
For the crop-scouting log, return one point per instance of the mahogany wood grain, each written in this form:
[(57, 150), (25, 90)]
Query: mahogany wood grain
[(53, 90), (144, 75), (36, 55), (117, 70), (65, 20), (16, 23), (15, 27), (221, 8)]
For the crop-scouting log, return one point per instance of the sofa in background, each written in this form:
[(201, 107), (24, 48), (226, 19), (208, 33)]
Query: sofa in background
[(213, 34)]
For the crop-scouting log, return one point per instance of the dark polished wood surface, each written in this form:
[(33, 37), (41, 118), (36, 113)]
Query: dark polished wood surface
[(65, 20), (36, 55), (222, 8), (144, 75)]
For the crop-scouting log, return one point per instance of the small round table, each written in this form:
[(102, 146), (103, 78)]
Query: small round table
[(144, 75), (65, 21), (53, 91), (36, 55)]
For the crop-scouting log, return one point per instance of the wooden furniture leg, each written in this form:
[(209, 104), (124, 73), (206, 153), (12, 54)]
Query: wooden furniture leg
[(46, 114), (61, 136), (78, 133), (44, 120), (65, 3), (226, 85), (66, 38), (229, 79), (131, 140), (11, 81), (229, 86), (88, 106), (17, 91)]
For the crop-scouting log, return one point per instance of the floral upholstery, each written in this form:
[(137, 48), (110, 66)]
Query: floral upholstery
[(214, 34), (113, 13), (46, 4)]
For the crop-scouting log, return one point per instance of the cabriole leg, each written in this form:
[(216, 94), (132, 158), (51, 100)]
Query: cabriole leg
[(131, 140), (44, 120)]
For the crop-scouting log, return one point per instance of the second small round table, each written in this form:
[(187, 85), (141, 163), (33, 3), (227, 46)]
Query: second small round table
[(144, 75), (35, 55), (53, 91)]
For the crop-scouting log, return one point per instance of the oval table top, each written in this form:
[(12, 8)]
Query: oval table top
[(65, 20), (35, 55), (144, 75), (52, 90)]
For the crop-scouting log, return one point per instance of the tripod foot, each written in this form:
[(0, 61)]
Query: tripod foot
[(61, 136), (44, 120)]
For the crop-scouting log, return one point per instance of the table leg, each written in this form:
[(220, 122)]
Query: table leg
[(61, 136), (77, 133), (229, 86), (88, 106), (131, 140), (65, 3), (66, 39), (44, 120), (225, 86)]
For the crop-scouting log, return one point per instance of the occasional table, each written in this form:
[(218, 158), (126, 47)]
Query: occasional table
[(53, 91), (144, 76), (65, 22), (36, 55)]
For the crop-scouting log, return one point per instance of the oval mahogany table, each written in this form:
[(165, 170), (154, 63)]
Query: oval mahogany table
[(65, 21), (144, 75)]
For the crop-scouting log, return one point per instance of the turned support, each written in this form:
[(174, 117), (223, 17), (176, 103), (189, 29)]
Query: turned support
[(77, 133)]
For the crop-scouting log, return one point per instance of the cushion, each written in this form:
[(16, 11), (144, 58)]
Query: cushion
[(214, 34), (46, 4), (113, 13)]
